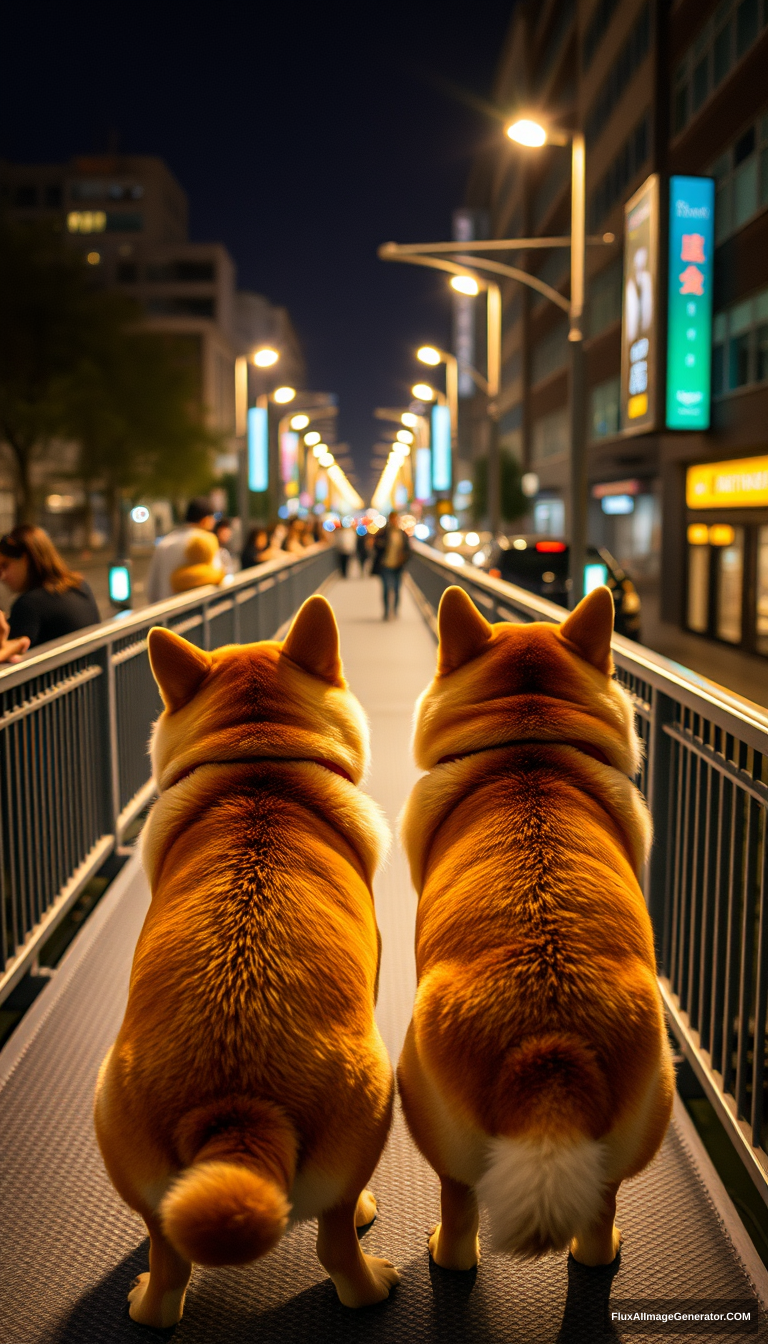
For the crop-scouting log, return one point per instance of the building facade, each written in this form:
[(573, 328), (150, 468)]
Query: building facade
[(666, 89), (128, 215)]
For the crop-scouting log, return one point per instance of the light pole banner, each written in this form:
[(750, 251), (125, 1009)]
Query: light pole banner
[(441, 448), (689, 312), (639, 326), (423, 482), (258, 448)]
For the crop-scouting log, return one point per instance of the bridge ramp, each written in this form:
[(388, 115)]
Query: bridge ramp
[(69, 1249)]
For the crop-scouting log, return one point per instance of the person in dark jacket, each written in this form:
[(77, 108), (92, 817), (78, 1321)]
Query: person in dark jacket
[(391, 553), (53, 600)]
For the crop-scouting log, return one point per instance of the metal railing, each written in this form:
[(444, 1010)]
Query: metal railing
[(705, 777), (75, 720)]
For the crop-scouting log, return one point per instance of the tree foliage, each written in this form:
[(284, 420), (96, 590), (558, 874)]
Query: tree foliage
[(75, 364), (513, 503)]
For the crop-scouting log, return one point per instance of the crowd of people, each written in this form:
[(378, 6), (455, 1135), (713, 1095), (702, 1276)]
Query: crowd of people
[(53, 601)]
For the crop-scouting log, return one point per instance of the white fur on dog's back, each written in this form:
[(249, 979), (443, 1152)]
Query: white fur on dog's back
[(540, 1192)]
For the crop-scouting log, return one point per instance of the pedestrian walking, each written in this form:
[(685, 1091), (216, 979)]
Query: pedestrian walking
[(344, 540), (391, 553), (53, 599), (362, 547), (170, 552)]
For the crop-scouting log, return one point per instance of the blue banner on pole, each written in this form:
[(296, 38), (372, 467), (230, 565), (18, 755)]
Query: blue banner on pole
[(258, 448), (441, 448)]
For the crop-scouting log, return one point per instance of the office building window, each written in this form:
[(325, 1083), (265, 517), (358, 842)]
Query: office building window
[(181, 305), (124, 191), (550, 437), (741, 175), (554, 272), (730, 580), (727, 36), (625, 166), (125, 223), (740, 345), (629, 59), (550, 354), (604, 399), (86, 190), (163, 271), (598, 27)]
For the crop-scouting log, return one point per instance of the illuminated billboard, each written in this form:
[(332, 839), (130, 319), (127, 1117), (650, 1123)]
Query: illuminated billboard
[(639, 325), (289, 461), (258, 448), (423, 482), (740, 483), (441, 448), (689, 308)]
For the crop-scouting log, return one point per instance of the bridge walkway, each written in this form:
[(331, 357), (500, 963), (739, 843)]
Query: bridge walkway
[(70, 1249)]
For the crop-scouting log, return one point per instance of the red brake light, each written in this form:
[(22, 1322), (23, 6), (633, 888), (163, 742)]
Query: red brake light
[(550, 545)]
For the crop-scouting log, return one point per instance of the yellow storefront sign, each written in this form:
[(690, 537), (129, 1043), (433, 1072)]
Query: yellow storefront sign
[(740, 484)]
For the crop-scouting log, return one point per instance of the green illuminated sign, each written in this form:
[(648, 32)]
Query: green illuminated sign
[(689, 307)]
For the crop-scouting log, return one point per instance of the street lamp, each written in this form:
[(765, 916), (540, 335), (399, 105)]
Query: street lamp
[(265, 357), (531, 134), (423, 392), (282, 395), (429, 354)]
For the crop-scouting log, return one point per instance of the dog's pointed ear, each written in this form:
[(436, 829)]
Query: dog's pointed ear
[(313, 640), (464, 633), (178, 666), (589, 628)]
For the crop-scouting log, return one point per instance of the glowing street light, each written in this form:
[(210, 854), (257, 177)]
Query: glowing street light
[(283, 394), (327, 460), (423, 392), (429, 355), (312, 438), (465, 284), (319, 449), (266, 357), (527, 132), (531, 134), (409, 419), (404, 436), (299, 421)]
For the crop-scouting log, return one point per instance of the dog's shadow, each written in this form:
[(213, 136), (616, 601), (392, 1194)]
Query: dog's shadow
[(430, 1303)]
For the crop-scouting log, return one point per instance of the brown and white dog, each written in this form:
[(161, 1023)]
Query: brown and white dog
[(536, 1074), (249, 1086)]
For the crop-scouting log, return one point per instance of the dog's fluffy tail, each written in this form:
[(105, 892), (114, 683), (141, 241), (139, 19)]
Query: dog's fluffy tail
[(546, 1178), (229, 1206)]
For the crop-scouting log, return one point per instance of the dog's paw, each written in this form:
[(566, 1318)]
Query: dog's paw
[(374, 1285), (462, 1256), (162, 1318), (366, 1209)]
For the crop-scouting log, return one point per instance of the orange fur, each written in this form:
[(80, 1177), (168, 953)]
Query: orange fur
[(248, 1083), (536, 1068)]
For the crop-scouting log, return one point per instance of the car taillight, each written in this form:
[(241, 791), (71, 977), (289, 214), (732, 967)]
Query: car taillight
[(495, 573), (550, 545)]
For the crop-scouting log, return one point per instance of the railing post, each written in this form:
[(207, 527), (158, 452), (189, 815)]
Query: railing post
[(108, 699), (659, 783)]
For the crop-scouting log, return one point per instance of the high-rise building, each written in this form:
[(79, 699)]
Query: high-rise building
[(674, 90)]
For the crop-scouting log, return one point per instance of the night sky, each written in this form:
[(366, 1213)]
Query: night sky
[(304, 135)]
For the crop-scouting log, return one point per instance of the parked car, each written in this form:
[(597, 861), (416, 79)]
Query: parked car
[(540, 564)]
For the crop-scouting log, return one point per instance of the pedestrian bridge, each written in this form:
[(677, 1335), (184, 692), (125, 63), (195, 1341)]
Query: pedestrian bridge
[(73, 773)]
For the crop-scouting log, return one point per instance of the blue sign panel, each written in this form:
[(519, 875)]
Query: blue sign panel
[(441, 448), (689, 307), (258, 448), (423, 482)]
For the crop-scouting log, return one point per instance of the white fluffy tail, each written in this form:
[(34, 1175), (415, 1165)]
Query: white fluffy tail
[(541, 1191)]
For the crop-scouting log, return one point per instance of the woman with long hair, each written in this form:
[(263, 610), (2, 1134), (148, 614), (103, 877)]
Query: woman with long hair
[(53, 599)]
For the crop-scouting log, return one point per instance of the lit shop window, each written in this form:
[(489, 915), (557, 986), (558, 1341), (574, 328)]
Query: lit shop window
[(727, 36), (730, 580), (741, 177), (740, 345), (86, 221), (605, 408), (761, 624)]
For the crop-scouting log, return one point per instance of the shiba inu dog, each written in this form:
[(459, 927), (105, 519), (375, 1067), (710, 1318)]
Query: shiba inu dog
[(536, 1074), (249, 1086)]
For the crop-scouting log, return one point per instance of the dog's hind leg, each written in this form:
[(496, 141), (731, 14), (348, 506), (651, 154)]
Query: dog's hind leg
[(360, 1280), (157, 1298), (599, 1244), (454, 1243)]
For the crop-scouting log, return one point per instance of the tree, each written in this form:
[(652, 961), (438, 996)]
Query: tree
[(131, 406), (514, 504), (75, 363)]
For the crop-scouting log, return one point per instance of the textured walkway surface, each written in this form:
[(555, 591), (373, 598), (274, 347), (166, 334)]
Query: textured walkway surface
[(69, 1248)]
